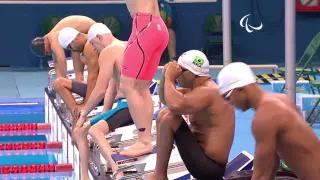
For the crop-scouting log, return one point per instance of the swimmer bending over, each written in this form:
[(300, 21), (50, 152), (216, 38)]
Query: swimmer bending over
[(110, 62), (49, 44), (70, 38), (212, 119), (278, 127), (140, 62)]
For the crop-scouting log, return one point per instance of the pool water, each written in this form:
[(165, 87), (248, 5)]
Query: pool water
[(31, 117)]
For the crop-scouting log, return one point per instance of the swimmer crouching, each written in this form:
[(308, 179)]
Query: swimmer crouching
[(49, 45), (278, 127), (111, 52), (212, 119)]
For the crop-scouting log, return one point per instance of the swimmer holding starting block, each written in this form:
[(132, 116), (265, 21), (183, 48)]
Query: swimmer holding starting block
[(111, 52), (49, 44), (278, 127), (205, 147), (148, 40), (70, 38)]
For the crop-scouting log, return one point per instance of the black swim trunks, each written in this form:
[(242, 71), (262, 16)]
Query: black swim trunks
[(197, 162), (117, 117), (80, 88)]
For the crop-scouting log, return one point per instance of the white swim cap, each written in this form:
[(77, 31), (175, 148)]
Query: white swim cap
[(66, 36), (97, 29), (196, 62), (235, 75)]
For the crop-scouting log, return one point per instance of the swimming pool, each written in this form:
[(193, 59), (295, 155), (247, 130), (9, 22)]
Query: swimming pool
[(25, 152)]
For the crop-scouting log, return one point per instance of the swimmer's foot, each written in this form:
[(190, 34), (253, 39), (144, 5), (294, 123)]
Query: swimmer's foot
[(138, 149), (119, 176)]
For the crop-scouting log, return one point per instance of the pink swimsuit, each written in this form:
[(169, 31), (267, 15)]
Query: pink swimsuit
[(148, 40)]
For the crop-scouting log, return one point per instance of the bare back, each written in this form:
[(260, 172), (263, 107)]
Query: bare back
[(297, 144), (118, 48), (143, 6), (214, 126), (80, 23)]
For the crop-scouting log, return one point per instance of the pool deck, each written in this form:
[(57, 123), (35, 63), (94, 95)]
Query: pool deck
[(26, 84)]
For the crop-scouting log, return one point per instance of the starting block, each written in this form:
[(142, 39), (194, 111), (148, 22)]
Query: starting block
[(146, 164), (243, 161), (310, 107)]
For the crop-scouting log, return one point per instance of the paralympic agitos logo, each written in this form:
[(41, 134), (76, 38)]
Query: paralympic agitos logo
[(248, 27)]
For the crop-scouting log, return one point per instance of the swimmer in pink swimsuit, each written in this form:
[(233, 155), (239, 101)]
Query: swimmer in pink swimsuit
[(148, 40)]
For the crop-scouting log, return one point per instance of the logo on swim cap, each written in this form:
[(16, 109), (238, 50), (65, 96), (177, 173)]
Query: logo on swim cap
[(198, 61)]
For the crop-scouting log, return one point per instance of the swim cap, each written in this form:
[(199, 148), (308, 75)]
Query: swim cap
[(235, 75), (97, 29), (195, 61), (66, 36), (37, 47)]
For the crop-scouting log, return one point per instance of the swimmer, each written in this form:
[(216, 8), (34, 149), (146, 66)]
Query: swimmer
[(148, 40), (49, 44), (110, 62), (278, 127), (212, 119), (70, 38)]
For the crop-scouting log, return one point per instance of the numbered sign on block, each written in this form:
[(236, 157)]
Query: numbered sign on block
[(46, 106), (53, 123), (308, 102), (302, 87), (50, 117), (64, 144), (59, 138), (70, 150), (76, 163)]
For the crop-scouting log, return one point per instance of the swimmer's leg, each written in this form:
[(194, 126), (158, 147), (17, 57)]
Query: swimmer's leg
[(83, 145), (97, 133), (172, 45), (167, 124), (141, 109), (63, 87)]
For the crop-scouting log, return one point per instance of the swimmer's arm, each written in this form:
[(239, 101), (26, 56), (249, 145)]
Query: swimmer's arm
[(188, 103), (93, 71), (106, 64), (78, 66), (110, 96), (266, 159), (161, 91), (59, 59)]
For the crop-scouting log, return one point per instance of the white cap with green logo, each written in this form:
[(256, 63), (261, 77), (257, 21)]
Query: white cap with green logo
[(195, 61)]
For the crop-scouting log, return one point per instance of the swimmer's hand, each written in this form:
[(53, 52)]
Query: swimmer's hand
[(81, 119), (165, 67), (173, 71)]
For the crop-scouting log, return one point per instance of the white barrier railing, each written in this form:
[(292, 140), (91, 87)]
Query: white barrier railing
[(253, 66), (59, 132)]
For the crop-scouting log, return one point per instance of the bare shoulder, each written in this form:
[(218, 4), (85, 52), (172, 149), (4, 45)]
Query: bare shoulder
[(89, 51), (211, 88), (272, 110), (107, 56)]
